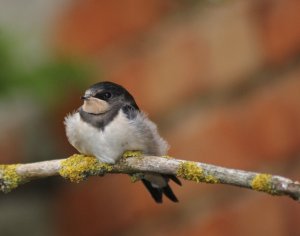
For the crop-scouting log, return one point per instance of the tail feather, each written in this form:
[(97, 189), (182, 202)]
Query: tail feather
[(169, 193), (174, 178), (157, 193)]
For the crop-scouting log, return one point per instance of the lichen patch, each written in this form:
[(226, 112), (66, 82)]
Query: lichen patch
[(136, 177), (211, 179), (128, 154), (10, 178), (190, 171), (262, 182), (78, 167)]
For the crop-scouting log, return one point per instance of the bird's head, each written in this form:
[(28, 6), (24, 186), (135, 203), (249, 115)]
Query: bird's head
[(104, 96)]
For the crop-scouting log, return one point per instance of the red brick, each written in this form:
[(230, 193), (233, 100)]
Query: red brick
[(264, 127), (89, 26), (279, 22), (182, 56), (105, 205), (251, 216), (190, 56)]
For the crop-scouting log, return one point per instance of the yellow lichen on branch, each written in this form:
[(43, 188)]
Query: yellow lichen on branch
[(78, 167), (128, 154), (10, 178), (262, 182), (191, 171), (211, 179)]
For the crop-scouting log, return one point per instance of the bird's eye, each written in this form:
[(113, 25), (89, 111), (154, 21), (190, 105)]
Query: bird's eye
[(103, 96)]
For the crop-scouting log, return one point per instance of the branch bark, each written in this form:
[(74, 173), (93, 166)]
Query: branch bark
[(78, 167)]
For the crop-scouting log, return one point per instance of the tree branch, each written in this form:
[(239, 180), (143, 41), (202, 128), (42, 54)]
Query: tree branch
[(78, 167)]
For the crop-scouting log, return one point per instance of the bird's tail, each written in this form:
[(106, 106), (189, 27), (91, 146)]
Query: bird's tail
[(157, 185)]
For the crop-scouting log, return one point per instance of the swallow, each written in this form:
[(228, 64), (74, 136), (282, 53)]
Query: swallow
[(109, 123)]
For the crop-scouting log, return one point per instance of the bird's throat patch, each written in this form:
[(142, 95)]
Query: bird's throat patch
[(95, 106)]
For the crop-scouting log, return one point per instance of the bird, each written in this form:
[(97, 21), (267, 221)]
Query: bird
[(109, 123)]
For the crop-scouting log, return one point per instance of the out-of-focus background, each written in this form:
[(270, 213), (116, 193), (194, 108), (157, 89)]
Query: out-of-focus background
[(221, 78)]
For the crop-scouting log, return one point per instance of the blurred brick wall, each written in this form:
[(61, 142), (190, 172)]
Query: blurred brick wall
[(222, 81)]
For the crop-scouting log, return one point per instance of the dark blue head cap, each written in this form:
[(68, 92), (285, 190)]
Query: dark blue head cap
[(116, 91)]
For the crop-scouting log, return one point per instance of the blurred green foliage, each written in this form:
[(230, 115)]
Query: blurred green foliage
[(46, 81)]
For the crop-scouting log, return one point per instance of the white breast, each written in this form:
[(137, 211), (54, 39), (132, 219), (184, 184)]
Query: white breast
[(118, 136)]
